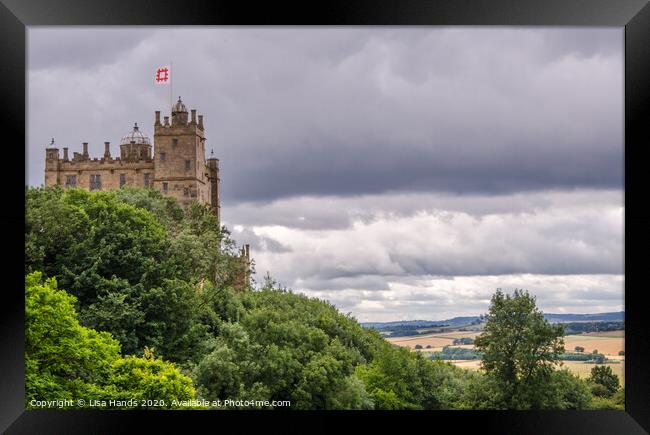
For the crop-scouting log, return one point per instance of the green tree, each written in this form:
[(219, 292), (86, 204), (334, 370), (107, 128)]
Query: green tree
[(566, 391), (64, 360), (520, 349), (603, 377), (139, 266)]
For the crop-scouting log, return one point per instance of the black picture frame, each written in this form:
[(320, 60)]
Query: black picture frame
[(634, 15)]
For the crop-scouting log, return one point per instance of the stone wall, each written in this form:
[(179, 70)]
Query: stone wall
[(109, 170)]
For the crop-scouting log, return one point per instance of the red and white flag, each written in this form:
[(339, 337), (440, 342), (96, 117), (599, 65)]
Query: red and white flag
[(163, 75)]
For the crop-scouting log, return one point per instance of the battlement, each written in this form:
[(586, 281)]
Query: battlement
[(84, 159)]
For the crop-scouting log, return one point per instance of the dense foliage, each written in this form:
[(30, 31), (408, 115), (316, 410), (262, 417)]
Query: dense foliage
[(129, 296), (64, 360)]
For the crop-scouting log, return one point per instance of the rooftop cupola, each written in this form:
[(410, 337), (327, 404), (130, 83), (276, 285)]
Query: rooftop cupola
[(179, 113), (135, 145), (135, 136)]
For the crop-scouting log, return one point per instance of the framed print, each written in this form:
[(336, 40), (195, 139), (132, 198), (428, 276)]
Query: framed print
[(429, 213)]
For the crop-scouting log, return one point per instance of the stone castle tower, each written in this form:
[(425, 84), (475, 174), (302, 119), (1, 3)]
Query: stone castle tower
[(178, 167)]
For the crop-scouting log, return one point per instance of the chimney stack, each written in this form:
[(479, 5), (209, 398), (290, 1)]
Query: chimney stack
[(193, 116), (107, 150), (65, 153), (157, 117), (85, 151), (166, 121), (200, 120)]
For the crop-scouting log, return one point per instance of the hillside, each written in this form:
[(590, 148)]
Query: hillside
[(618, 316)]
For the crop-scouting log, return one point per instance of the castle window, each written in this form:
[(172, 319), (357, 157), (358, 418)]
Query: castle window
[(122, 179), (71, 181), (165, 187), (95, 182), (162, 157), (147, 180), (174, 142), (188, 165), (186, 191)]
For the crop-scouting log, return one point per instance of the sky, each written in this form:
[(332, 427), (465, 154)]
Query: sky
[(400, 173)]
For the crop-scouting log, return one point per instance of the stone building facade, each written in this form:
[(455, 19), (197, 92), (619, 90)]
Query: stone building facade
[(174, 164), (177, 167)]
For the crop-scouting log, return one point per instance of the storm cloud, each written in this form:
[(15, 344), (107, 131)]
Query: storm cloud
[(352, 111), (368, 165)]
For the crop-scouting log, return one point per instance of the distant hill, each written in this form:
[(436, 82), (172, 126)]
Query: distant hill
[(618, 316), (466, 320)]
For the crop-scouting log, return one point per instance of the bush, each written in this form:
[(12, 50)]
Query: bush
[(605, 381)]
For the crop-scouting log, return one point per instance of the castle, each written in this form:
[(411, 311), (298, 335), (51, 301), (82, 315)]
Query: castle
[(177, 168)]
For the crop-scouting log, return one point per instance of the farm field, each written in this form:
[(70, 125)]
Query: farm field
[(437, 340), (614, 334), (577, 367), (608, 343), (584, 370)]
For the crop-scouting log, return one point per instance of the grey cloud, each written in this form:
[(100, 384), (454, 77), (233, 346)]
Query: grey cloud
[(370, 283), (330, 212), (330, 111), (562, 233), (471, 296), (81, 47), (260, 243)]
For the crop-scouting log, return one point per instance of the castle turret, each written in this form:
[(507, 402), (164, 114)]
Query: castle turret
[(51, 155), (181, 170), (51, 164), (215, 184), (242, 278), (179, 113)]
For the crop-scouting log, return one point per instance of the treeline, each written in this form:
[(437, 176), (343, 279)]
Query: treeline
[(582, 327), (405, 331), (455, 353), (129, 296)]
